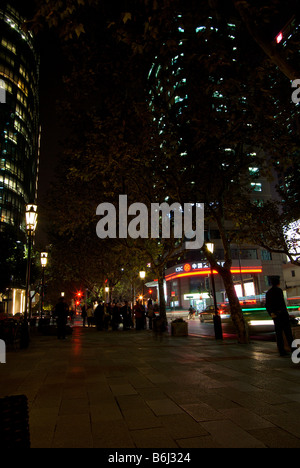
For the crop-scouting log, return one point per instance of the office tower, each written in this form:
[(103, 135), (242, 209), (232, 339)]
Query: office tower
[(200, 79), (19, 117)]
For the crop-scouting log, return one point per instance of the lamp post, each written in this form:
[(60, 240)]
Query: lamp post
[(44, 261), (31, 222), (143, 276), (217, 318)]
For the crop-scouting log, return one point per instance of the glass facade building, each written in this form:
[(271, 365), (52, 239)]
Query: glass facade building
[(19, 118)]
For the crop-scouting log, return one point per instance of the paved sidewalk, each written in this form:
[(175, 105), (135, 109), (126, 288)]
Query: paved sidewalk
[(127, 390)]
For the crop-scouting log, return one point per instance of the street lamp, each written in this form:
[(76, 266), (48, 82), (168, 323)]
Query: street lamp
[(143, 276), (44, 261), (31, 222), (31, 218), (217, 318), (107, 294)]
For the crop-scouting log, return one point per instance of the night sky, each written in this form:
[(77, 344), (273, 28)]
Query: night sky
[(52, 128), (52, 131)]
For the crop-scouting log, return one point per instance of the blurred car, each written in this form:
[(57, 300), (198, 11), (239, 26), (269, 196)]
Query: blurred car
[(208, 314), (253, 315)]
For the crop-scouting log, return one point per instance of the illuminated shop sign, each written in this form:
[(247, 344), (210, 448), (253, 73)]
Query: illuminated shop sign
[(194, 266), (203, 269)]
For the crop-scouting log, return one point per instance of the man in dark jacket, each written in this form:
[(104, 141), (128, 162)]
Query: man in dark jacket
[(99, 315), (276, 308), (126, 314)]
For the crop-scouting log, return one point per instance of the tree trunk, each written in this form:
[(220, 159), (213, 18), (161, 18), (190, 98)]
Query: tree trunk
[(235, 307), (162, 300)]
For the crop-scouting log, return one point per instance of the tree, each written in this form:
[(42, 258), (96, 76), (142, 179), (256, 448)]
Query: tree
[(63, 16), (12, 259)]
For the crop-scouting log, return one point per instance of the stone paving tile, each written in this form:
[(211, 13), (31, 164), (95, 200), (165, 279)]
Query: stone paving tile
[(74, 406), (106, 410), (42, 426), (204, 442), (73, 431), (140, 418), (123, 389), (275, 437), (216, 401), (151, 393), (182, 426), (112, 434), (246, 419), (288, 421), (164, 407), (229, 435), (292, 396), (202, 412), (153, 438)]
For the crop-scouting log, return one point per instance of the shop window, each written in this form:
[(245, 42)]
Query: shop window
[(266, 255)]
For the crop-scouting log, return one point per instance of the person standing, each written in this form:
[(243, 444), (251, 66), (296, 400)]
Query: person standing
[(90, 315), (276, 308), (138, 316), (61, 313), (99, 315), (126, 314), (150, 313), (115, 316)]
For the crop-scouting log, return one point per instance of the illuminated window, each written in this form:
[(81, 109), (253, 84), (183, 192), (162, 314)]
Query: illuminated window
[(24, 73), (254, 170), (22, 99), (257, 187), (8, 45)]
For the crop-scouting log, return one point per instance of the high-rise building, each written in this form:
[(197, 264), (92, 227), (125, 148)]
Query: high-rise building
[(180, 83), (19, 117)]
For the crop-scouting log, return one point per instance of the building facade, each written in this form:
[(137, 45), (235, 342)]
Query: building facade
[(19, 117), (19, 132), (291, 275), (190, 283)]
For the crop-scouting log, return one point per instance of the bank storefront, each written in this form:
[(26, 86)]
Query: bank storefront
[(190, 284)]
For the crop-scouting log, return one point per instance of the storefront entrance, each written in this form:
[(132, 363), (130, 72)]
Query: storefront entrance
[(198, 301)]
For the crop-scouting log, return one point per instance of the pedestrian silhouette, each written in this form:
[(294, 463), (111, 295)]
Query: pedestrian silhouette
[(276, 308)]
